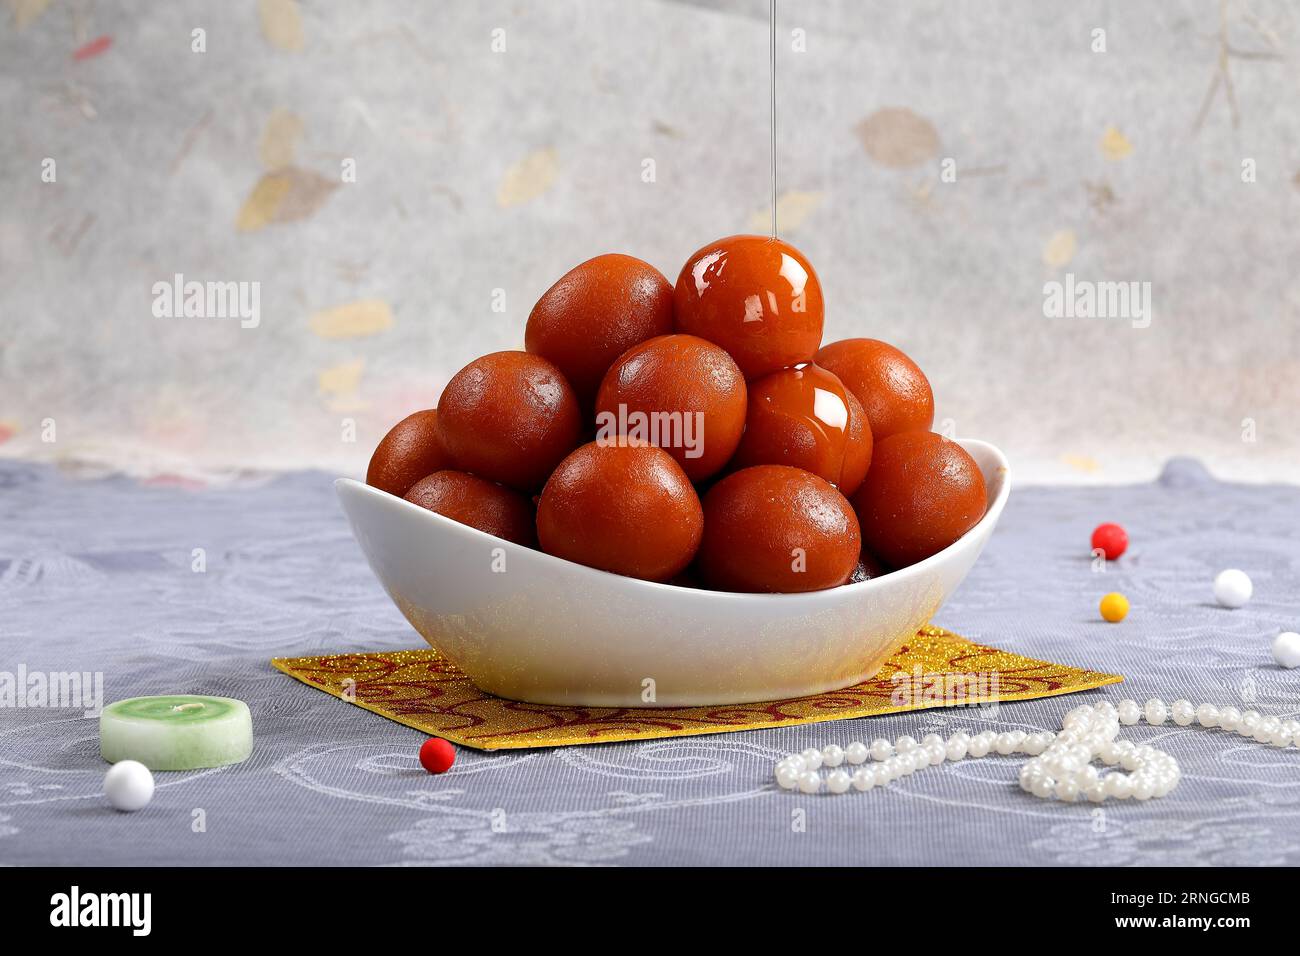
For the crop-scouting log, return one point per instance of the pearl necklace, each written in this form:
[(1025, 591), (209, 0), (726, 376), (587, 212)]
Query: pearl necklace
[(1061, 764)]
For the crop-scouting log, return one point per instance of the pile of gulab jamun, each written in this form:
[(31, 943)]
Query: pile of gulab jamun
[(697, 434)]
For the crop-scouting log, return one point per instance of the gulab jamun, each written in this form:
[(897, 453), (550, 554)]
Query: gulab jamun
[(509, 417), (804, 417), (678, 392), (774, 528), (621, 506), (757, 297), (409, 451), (594, 313), (480, 504), (923, 492), (857, 453), (893, 390)]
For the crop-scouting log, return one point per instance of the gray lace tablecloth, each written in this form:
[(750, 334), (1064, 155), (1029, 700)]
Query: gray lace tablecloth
[(97, 576)]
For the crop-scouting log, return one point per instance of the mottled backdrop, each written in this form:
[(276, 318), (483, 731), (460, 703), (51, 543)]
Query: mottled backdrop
[(402, 180)]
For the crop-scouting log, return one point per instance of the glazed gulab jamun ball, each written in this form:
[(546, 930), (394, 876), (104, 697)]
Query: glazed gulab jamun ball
[(893, 390), (682, 393), (480, 504), (923, 492), (408, 452), (509, 417), (804, 417), (594, 313), (773, 528), (755, 296), (621, 506)]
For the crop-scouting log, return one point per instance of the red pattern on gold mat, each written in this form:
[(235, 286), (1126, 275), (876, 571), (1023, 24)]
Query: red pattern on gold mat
[(425, 691)]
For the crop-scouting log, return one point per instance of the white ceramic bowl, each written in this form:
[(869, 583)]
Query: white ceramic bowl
[(529, 626)]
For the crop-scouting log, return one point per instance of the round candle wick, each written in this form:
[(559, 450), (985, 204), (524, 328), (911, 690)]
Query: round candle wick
[(189, 706)]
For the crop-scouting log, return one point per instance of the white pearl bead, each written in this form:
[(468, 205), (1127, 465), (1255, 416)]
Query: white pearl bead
[(864, 779), (1232, 588), (1004, 744), (1230, 718), (880, 773), (1129, 712), (1286, 649), (978, 747), (1066, 790), (812, 758), (128, 785), (931, 739), (1119, 786), (1155, 712), (937, 750), (1043, 787), (1207, 715), (810, 782), (832, 755), (881, 749), (787, 777), (856, 753), (1249, 721), (838, 782), (905, 743), (955, 748), (1183, 712)]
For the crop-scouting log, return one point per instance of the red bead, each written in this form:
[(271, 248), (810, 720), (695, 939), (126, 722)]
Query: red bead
[(436, 755), (1110, 539)]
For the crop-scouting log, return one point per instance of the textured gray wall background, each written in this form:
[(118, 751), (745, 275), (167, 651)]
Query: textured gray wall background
[(480, 170)]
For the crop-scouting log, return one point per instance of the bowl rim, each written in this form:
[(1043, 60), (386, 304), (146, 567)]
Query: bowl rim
[(992, 512)]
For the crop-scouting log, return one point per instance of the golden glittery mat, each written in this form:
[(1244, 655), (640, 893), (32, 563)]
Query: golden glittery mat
[(424, 690)]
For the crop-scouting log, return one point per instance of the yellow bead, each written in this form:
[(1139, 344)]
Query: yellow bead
[(1114, 607)]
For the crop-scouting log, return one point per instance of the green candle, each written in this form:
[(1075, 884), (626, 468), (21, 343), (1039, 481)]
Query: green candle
[(181, 732)]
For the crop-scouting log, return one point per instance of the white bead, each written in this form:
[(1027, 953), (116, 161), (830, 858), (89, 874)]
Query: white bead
[(1141, 789), (881, 749), (1118, 786), (1249, 721), (1292, 727), (838, 782), (812, 758), (128, 785), (832, 755), (795, 761), (881, 775), (864, 779), (787, 777), (1230, 718), (1207, 715), (810, 781), (1066, 790), (1232, 588), (856, 753), (1286, 649), (1155, 712), (955, 748), (978, 747), (1043, 787), (1183, 712), (905, 743), (937, 750), (1129, 712), (931, 739)]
